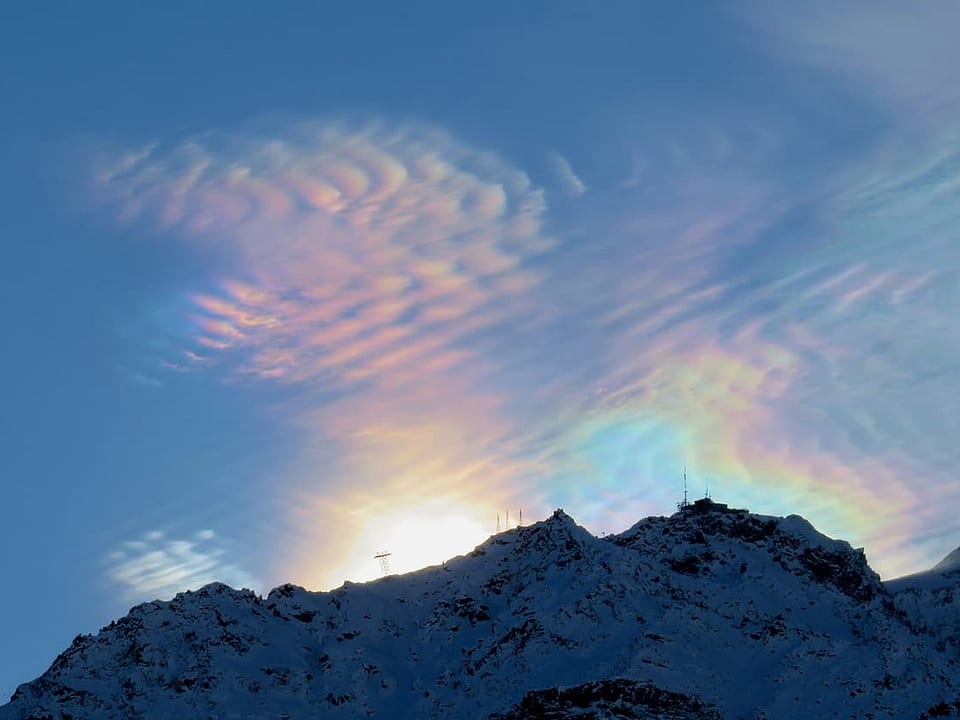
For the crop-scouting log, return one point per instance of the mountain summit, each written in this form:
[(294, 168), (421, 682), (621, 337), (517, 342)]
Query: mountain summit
[(950, 563), (711, 613)]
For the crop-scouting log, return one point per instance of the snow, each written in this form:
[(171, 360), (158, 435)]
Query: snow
[(742, 615), (950, 562)]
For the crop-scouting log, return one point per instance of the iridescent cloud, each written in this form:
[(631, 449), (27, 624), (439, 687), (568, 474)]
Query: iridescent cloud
[(455, 362), (357, 253), (376, 261), (816, 379), (416, 474)]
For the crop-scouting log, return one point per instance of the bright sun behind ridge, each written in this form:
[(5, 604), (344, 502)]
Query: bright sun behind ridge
[(416, 536)]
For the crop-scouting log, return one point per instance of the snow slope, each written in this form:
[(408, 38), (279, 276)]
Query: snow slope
[(929, 603), (710, 613)]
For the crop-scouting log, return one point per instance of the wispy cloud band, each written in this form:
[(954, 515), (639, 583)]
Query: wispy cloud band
[(158, 567)]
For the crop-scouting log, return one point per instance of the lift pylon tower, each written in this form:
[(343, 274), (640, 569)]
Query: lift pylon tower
[(383, 557)]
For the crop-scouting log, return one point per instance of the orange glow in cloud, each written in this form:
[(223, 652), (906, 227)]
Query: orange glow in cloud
[(360, 241), (363, 256), (408, 277), (419, 481)]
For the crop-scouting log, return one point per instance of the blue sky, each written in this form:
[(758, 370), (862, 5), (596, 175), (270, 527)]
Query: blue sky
[(284, 287)]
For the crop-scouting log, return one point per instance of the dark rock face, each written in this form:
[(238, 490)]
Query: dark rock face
[(604, 699), (710, 613), (846, 572), (942, 710)]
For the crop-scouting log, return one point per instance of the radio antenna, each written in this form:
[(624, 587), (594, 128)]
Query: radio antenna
[(686, 502)]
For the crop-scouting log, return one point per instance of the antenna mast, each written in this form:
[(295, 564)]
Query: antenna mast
[(686, 502)]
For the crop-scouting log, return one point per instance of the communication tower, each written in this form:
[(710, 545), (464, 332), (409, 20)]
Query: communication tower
[(506, 520), (685, 502)]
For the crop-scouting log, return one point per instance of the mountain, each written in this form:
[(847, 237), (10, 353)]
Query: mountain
[(929, 603), (950, 564), (712, 613)]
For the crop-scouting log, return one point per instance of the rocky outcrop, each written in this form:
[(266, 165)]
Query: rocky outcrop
[(605, 699)]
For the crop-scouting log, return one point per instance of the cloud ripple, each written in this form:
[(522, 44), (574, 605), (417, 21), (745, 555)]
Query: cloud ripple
[(356, 253)]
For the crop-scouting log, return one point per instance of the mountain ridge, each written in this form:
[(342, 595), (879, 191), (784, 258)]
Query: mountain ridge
[(712, 612)]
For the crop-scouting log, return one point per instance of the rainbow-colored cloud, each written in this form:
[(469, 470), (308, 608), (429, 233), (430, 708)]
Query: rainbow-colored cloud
[(357, 253), (455, 359)]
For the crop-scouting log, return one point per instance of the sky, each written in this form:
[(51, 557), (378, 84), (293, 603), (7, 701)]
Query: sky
[(286, 287)]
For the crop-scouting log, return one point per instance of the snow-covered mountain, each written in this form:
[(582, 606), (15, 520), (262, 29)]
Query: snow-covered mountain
[(710, 613)]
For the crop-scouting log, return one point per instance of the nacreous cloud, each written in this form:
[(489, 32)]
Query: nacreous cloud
[(381, 264), (356, 253), (787, 339)]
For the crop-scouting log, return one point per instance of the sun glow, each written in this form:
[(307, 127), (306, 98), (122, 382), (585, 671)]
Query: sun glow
[(416, 541), (415, 536)]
